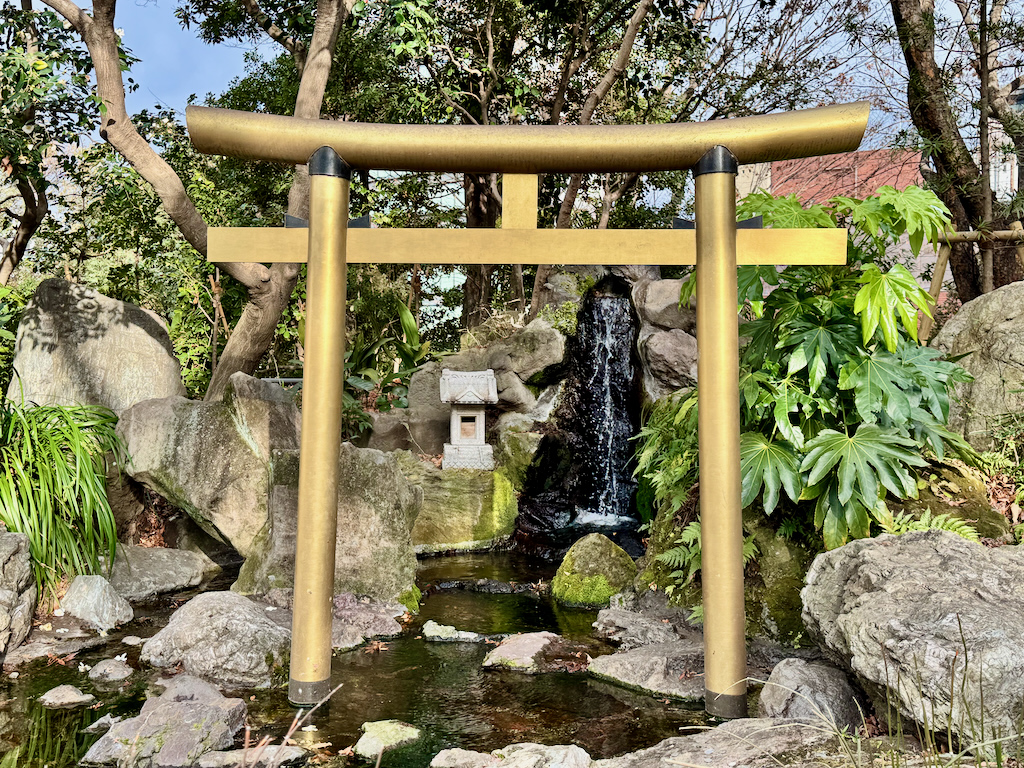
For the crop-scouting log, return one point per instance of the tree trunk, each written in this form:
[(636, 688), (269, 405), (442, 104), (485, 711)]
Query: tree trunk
[(36, 207), (957, 177), (254, 332), (481, 212)]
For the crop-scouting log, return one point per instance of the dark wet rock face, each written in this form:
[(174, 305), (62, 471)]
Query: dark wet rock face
[(582, 478)]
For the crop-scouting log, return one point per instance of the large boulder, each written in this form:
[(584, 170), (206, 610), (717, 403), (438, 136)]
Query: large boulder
[(377, 507), (930, 623), (213, 459), (674, 668), (990, 332), (17, 590), (222, 637), (190, 719), (462, 509), (594, 569), (75, 345)]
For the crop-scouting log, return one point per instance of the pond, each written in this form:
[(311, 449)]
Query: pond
[(438, 687)]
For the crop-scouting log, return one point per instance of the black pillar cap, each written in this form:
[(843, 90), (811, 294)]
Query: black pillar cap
[(326, 162), (717, 160)]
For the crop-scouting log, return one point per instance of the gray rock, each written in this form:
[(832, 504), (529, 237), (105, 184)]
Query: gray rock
[(594, 569), (224, 637), (635, 273), (442, 633), (666, 669), (93, 600), (657, 303), (629, 629), (213, 460), (917, 616), (103, 725), (173, 730), (377, 508), (542, 756), (356, 619), (131, 640), (520, 653), (140, 573), (110, 671), (812, 691), (669, 361), (270, 756), (382, 735), (463, 758), (75, 345), (752, 743), (17, 591), (990, 331), (65, 697)]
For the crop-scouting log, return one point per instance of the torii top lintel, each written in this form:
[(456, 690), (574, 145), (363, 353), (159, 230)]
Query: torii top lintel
[(529, 149)]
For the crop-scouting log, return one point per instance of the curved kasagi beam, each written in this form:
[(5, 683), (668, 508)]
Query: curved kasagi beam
[(529, 149)]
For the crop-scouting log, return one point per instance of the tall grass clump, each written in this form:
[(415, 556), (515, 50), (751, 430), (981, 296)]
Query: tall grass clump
[(52, 472)]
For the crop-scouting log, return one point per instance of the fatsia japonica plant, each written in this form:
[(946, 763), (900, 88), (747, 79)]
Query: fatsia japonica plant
[(839, 401)]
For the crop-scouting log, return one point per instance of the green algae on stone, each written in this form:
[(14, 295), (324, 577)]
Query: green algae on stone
[(382, 735), (411, 599), (594, 569), (462, 509)]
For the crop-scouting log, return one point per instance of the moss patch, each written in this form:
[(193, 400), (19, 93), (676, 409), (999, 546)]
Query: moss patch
[(411, 599), (594, 569), (463, 509)]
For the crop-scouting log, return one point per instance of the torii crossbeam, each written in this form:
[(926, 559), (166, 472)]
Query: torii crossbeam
[(712, 150)]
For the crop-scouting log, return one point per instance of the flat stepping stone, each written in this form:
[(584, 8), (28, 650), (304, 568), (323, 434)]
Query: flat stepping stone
[(65, 697), (382, 735), (110, 671), (442, 633), (520, 652)]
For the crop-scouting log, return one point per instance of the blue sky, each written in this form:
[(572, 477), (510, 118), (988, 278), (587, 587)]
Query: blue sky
[(174, 62)]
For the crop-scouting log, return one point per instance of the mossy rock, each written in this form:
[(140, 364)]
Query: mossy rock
[(594, 569), (772, 590), (952, 488), (462, 509)]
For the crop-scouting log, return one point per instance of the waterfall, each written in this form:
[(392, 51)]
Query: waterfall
[(605, 454), (581, 479)]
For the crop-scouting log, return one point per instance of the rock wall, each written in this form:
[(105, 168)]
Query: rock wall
[(377, 507), (17, 590)]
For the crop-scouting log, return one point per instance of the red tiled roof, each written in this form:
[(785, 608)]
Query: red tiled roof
[(851, 174)]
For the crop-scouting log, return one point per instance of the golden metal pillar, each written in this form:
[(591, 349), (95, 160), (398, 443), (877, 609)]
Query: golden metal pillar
[(725, 647), (323, 380)]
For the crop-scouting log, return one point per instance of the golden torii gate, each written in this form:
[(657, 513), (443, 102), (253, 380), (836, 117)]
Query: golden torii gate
[(712, 150)]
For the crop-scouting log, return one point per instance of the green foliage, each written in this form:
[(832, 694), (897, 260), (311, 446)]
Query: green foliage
[(52, 486), (837, 401), (685, 556), (903, 523)]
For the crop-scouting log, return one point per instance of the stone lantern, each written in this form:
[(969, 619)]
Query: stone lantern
[(468, 392)]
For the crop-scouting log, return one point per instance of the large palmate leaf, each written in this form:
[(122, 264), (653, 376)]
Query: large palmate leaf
[(933, 375), (886, 294), (880, 384), (819, 347), (784, 212), (872, 459), (768, 464)]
